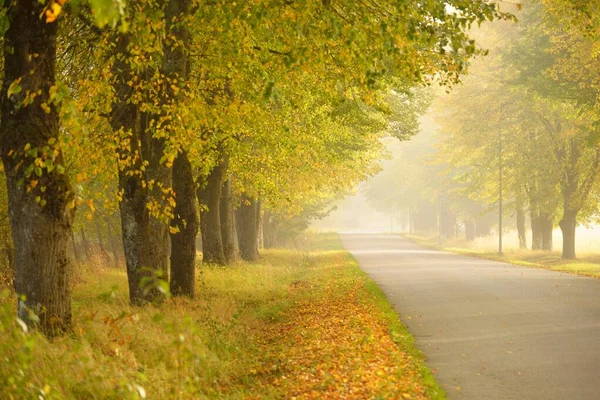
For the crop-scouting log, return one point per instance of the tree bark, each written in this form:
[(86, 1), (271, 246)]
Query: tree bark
[(176, 67), (41, 231), (521, 230), (183, 242), (227, 222), (547, 226), (209, 196), (568, 225), (247, 228), (142, 178)]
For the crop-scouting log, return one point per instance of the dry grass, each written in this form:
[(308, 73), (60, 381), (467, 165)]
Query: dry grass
[(588, 251), (214, 346)]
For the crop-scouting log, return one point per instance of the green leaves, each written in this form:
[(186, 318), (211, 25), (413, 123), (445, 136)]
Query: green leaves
[(108, 12), (4, 23), (14, 88)]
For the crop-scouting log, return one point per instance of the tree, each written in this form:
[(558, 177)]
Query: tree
[(41, 201), (176, 69)]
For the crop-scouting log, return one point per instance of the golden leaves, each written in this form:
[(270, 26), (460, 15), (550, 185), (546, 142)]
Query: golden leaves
[(53, 10), (336, 346)]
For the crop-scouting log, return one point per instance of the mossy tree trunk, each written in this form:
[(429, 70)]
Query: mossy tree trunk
[(145, 237), (176, 67), (41, 222), (183, 242)]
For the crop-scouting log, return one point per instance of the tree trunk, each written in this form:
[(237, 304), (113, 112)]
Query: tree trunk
[(568, 225), (142, 178), (536, 231), (470, 230), (41, 222), (183, 242), (259, 225), (247, 229), (521, 230), (85, 244), (482, 228), (227, 222), (103, 252), (209, 196), (145, 238), (114, 243), (176, 67), (269, 230), (547, 226)]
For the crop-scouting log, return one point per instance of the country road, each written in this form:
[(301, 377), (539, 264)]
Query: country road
[(490, 330)]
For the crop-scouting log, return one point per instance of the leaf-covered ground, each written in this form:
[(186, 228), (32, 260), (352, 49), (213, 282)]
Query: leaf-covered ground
[(338, 346), (298, 324), (341, 340)]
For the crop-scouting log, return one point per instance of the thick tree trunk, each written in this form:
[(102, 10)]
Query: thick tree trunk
[(145, 235), (227, 222), (547, 226), (568, 225), (176, 65), (521, 230), (209, 196), (41, 229), (183, 242), (247, 228)]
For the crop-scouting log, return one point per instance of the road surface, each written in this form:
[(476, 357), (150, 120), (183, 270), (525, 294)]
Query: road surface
[(490, 330)]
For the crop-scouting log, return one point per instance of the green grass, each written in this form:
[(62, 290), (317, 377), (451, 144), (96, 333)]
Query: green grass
[(209, 347), (587, 264), (402, 337)]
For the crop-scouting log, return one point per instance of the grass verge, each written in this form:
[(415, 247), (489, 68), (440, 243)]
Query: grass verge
[(304, 324), (587, 265)]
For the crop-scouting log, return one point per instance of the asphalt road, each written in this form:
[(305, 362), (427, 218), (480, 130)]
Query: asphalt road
[(490, 330)]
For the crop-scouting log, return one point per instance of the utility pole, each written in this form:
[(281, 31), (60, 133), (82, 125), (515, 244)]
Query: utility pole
[(500, 193), (440, 219)]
